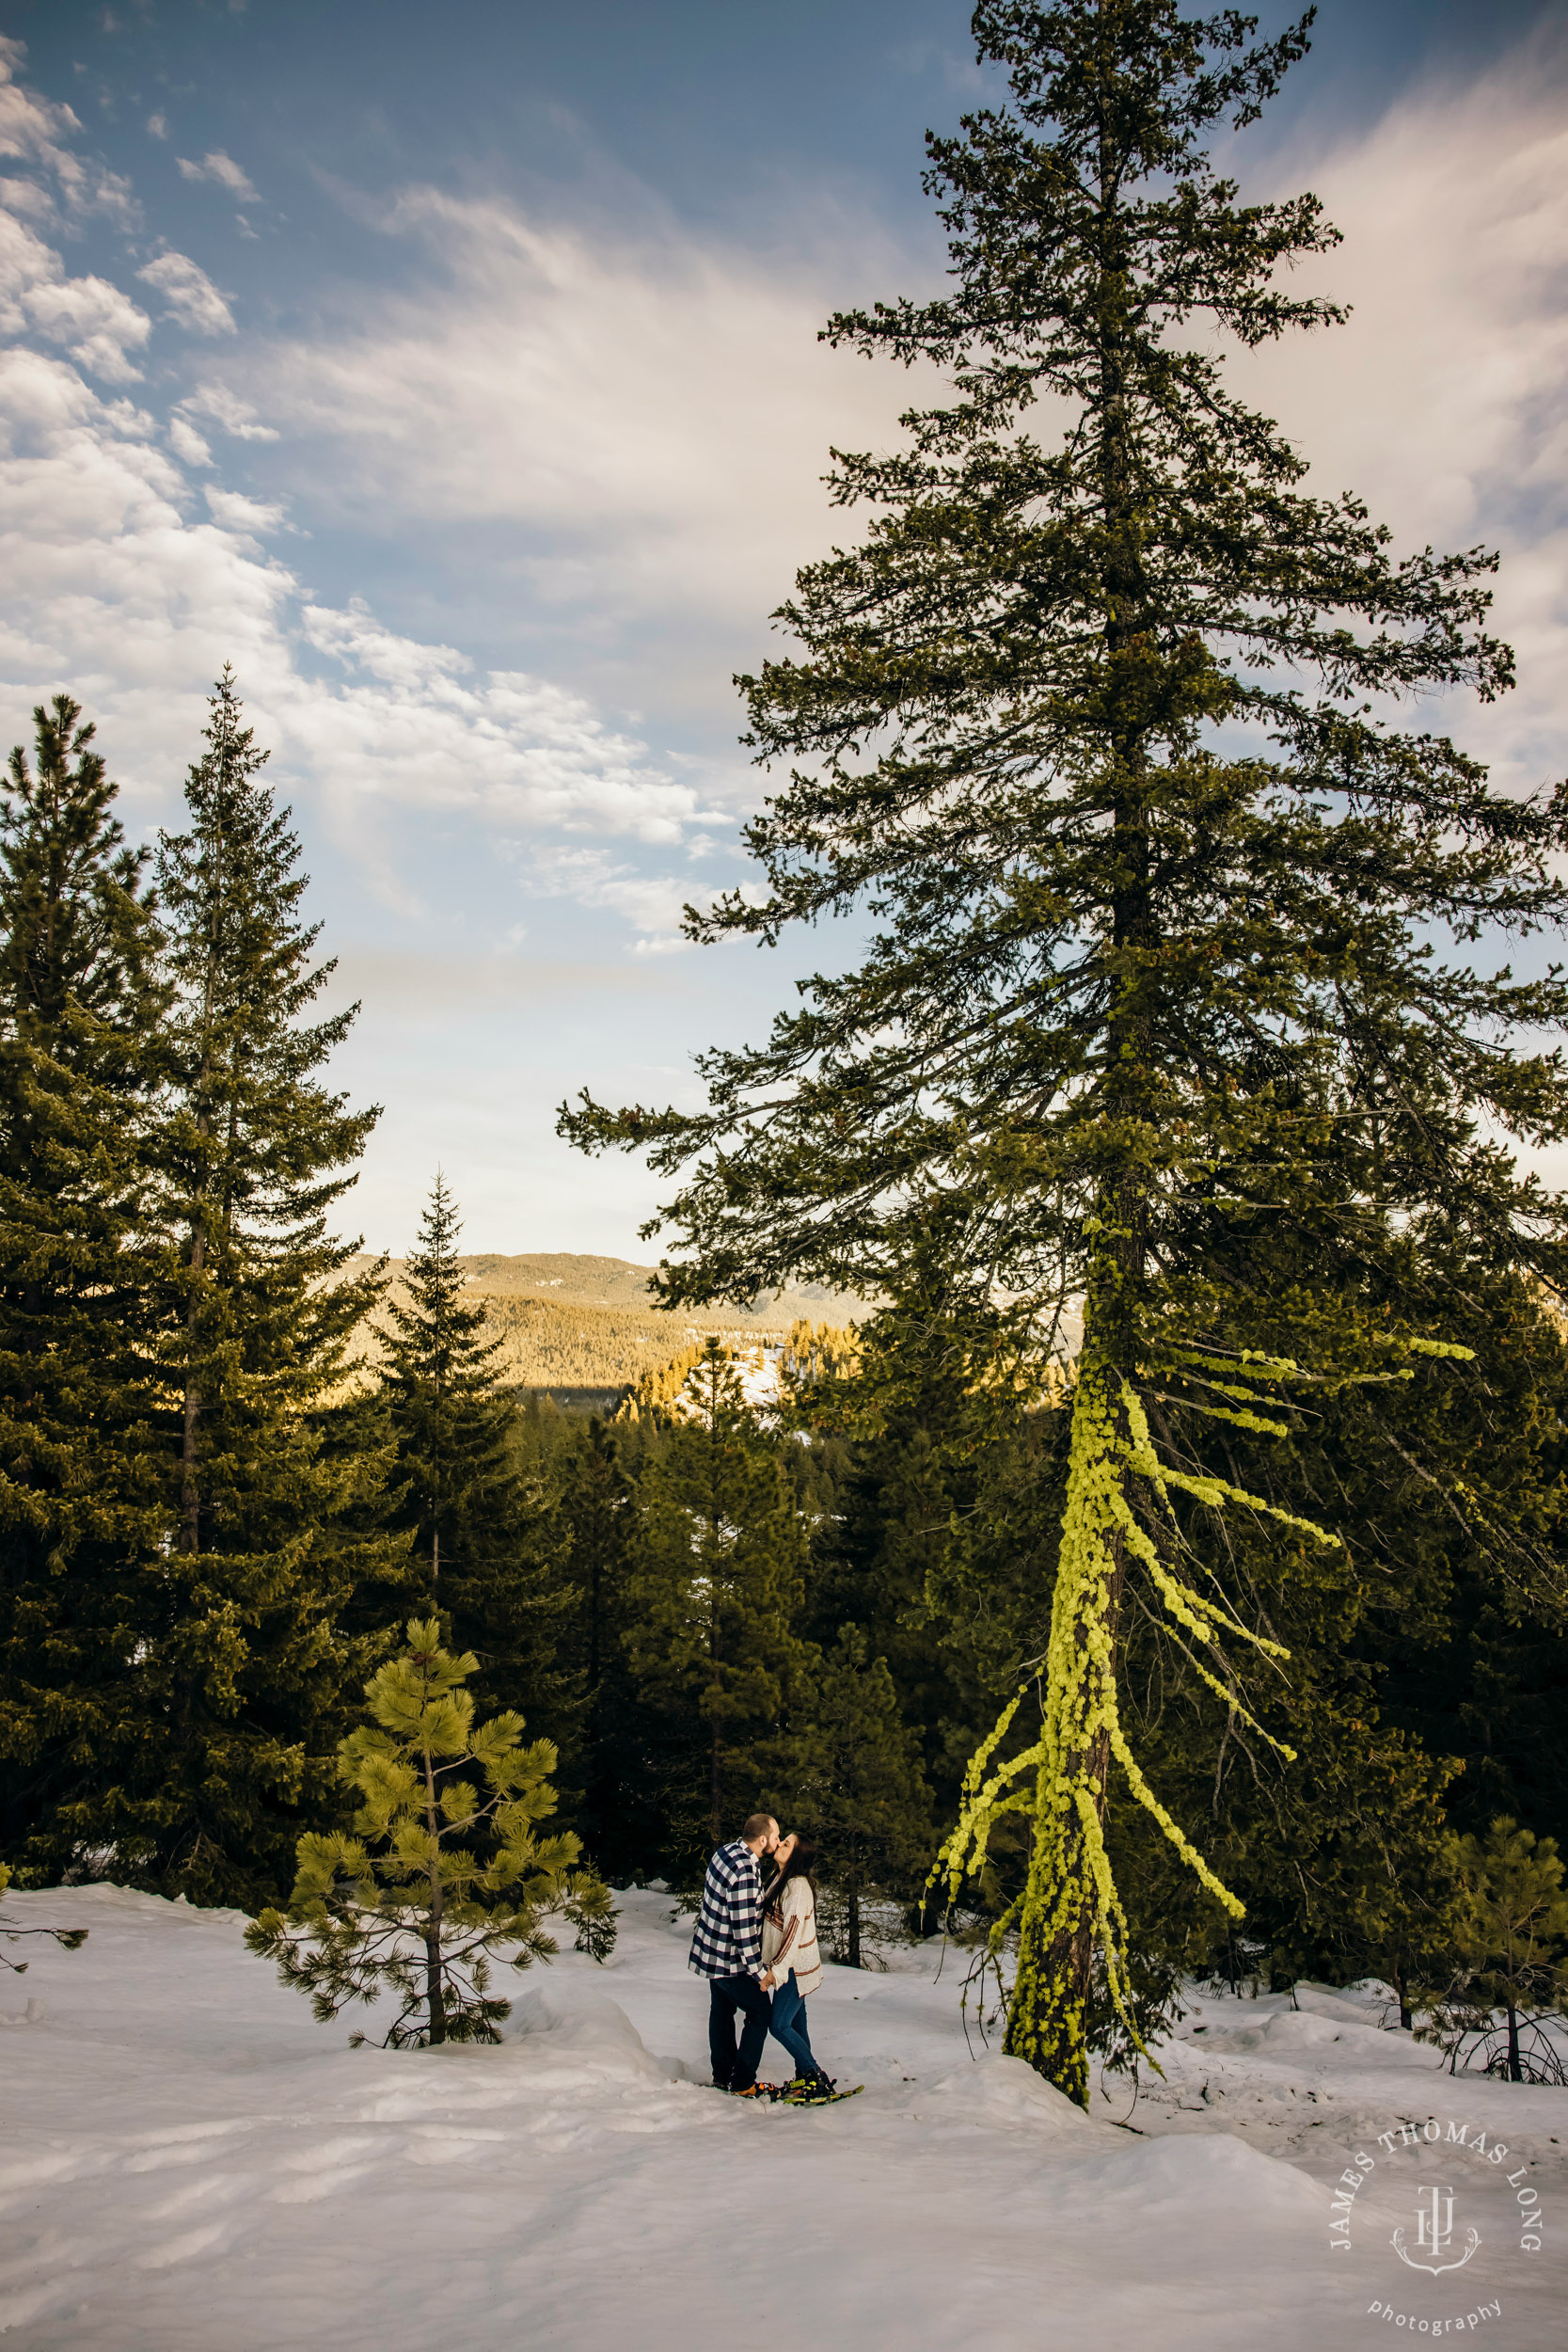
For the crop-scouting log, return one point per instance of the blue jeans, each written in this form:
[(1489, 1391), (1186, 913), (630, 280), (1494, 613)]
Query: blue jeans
[(787, 2024)]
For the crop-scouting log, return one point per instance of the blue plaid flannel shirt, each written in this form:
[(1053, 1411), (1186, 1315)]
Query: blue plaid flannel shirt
[(728, 1937)]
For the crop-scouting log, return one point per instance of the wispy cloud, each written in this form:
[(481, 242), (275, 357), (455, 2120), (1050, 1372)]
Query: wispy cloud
[(123, 588), (223, 171), (1444, 402), (418, 725), (650, 417), (192, 300), (651, 904), (38, 134), (186, 442), (229, 412)]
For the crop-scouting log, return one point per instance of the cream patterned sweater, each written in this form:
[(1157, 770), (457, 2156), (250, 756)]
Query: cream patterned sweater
[(789, 1940)]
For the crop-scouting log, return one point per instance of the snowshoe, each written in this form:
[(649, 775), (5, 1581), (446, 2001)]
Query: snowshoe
[(820, 2090)]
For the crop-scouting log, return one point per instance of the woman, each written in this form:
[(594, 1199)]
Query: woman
[(789, 1950)]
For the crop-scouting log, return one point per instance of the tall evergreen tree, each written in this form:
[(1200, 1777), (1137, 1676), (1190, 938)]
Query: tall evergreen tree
[(623, 1808), (448, 1407), (719, 1574), (485, 1551), (1099, 721), (81, 1503), (851, 1778), (245, 1679)]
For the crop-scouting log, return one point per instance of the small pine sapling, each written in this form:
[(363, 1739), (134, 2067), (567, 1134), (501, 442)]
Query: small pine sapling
[(439, 1876), (1512, 1954)]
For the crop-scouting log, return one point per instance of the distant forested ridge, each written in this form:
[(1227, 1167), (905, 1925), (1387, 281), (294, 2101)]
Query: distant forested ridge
[(579, 1327)]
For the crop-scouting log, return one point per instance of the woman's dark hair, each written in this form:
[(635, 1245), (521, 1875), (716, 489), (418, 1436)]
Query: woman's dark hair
[(797, 1867)]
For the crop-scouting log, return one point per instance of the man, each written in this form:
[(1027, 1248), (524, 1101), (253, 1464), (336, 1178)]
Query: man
[(726, 1949)]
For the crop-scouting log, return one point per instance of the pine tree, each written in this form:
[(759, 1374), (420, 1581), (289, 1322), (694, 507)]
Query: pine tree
[(449, 1875), (1141, 987), (484, 1548), (245, 1686), (447, 1408), (718, 1573), (80, 1488), (623, 1816), (886, 1535), (852, 1781), (1514, 1936)]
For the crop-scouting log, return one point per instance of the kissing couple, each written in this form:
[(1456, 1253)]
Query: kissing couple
[(757, 1947)]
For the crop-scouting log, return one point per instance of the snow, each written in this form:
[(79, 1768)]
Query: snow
[(190, 2164)]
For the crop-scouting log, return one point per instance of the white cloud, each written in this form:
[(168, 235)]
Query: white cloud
[(415, 728), (108, 587), (652, 418), (110, 583), (27, 201), (652, 904), (223, 171), (1444, 402), (649, 420), (87, 317), (249, 519), (92, 319), (158, 126), (186, 442), (229, 412), (35, 130), (193, 299)]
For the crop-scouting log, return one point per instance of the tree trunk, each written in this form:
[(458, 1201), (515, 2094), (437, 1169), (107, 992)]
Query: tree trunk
[(190, 1493), (596, 1577), (852, 1925), (434, 1995), (1516, 2073), (1060, 1918), (1061, 1921), (715, 1791), (1401, 1983)]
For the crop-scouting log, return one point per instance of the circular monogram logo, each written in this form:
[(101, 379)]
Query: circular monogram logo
[(1432, 2218)]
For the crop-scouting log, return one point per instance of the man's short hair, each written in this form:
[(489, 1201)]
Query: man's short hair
[(757, 1825)]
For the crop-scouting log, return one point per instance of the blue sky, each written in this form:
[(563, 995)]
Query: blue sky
[(454, 373)]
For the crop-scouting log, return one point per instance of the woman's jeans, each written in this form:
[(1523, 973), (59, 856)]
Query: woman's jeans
[(787, 2024)]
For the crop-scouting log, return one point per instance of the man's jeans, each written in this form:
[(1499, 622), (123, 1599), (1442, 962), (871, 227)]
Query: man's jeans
[(732, 2070), (788, 2024)]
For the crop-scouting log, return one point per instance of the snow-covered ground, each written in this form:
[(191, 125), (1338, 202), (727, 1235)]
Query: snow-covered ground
[(190, 2164)]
